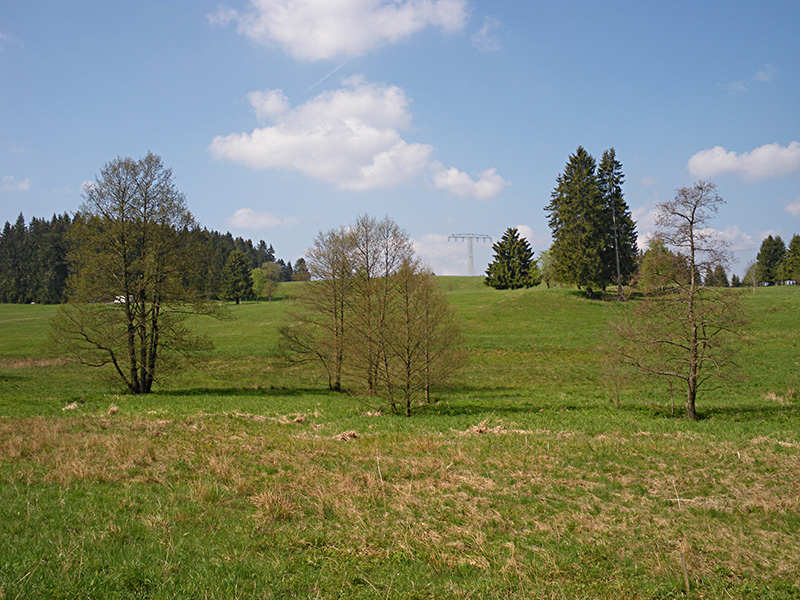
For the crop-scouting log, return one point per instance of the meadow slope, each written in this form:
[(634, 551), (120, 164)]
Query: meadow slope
[(541, 471)]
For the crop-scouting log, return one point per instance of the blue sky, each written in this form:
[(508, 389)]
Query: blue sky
[(282, 118)]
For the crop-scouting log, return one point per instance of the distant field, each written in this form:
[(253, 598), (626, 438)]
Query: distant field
[(538, 474)]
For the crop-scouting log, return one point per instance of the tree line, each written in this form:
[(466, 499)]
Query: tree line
[(775, 262), (34, 264)]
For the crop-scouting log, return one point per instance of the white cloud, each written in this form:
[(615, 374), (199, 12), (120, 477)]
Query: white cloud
[(10, 184), (486, 37), (268, 104), (794, 208), (486, 186), (737, 239), (770, 160), (645, 218), (247, 218), (349, 138), (312, 30)]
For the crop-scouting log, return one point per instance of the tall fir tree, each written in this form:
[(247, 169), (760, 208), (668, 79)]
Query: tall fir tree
[(513, 266), (237, 280), (578, 224), (620, 256), (770, 255), (790, 267)]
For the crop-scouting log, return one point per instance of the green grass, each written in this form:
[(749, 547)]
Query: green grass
[(534, 476)]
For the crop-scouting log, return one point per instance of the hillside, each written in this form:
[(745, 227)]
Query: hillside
[(540, 472)]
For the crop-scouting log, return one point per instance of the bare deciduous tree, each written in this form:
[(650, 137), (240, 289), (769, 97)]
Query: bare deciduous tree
[(421, 343), (371, 317), (686, 331), (318, 329)]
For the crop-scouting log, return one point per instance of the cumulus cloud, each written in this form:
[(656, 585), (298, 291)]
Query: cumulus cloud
[(794, 208), (11, 184), (770, 160), (247, 218), (268, 104), (312, 30), (737, 239), (349, 137), (487, 185)]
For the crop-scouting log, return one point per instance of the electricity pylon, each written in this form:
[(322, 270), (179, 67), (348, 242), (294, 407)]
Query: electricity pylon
[(470, 237)]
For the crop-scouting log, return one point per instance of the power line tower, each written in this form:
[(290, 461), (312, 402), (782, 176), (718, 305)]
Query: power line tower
[(470, 237)]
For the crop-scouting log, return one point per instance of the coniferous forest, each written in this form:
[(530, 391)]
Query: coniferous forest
[(34, 259)]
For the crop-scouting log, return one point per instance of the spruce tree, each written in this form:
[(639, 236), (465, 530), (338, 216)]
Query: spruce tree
[(300, 272), (720, 276), (790, 267), (770, 255), (237, 281), (578, 223), (620, 255), (513, 266)]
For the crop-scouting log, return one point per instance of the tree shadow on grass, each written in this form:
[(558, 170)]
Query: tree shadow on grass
[(242, 391), (768, 411), (9, 378)]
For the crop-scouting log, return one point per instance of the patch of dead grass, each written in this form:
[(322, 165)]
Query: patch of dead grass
[(34, 362)]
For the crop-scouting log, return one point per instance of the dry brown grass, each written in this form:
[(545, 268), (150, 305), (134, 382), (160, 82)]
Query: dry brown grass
[(463, 499), (34, 362)]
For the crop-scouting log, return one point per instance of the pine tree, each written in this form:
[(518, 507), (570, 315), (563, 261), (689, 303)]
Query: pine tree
[(300, 272), (237, 281), (286, 270), (772, 252), (513, 266), (578, 224), (790, 267), (720, 276), (620, 256)]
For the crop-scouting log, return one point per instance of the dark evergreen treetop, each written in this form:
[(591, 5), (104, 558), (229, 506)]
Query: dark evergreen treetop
[(300, 272), (513, 266), (790, 268), (772, 252)]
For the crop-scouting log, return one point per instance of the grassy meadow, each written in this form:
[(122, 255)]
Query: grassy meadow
[(541, 472)]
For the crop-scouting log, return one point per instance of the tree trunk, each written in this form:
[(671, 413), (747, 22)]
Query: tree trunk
[(691, 393)]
